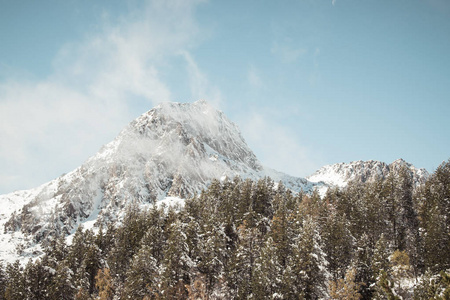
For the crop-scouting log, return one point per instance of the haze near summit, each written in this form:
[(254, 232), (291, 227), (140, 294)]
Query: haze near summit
[(308, 82)]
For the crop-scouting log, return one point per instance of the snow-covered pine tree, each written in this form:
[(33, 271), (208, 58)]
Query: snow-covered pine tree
[(267, 273), (308, 261), (15, 284)]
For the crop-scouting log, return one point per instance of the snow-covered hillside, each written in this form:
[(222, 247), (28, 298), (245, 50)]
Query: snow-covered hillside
[(173, 150), (165, 155), (342, 173)]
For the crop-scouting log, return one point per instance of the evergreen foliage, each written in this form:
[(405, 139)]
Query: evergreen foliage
[(241, 239)]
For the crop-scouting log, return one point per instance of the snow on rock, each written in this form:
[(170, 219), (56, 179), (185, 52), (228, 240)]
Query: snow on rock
[(166, 154), (341, 174)]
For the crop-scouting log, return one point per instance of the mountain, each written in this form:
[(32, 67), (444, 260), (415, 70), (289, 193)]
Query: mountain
[(165, 155), (170, 152), (341, 174)]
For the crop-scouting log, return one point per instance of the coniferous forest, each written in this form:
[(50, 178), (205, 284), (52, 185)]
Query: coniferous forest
[(241, 239)]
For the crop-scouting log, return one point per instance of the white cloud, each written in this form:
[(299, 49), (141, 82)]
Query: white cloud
[(200, 86), (278, 146), (52, 125), (286, 53), (333, 2)]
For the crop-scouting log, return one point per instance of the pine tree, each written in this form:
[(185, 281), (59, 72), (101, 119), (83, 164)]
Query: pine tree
[(245, 200), (337, 242), (15, 286), (308, 261), (262, 198), (428, 287), (84, 259), (3, 281), (435, 287), (267, 273), (362, 260), (401, 270), (385, 288), (391, 210), (434, 214), (55, 252), (176, 264), (103, 282), (127, 242), (142, 274), (37, 280), (345, 289), (83, 294), (409, 222), (212, 253), (241, 270), (380, 258), (282, 231), (62, 286)]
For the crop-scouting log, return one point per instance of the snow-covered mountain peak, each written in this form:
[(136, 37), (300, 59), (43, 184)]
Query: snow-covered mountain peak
[(170, 152), (173, 150), (170, 127), (342, 173)]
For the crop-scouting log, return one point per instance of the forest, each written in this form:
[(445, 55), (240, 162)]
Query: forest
[(243, 239)]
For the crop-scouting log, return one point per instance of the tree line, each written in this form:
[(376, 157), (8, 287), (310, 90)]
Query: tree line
[(243, 239)]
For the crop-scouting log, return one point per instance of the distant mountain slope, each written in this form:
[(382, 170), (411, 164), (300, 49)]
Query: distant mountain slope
[(169, 152), (342, 173)]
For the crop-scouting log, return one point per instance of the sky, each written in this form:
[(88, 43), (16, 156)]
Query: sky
[(308, 82)]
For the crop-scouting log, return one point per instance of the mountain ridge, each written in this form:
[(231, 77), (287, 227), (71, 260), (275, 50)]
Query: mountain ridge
[(341, 173), (174, 150)]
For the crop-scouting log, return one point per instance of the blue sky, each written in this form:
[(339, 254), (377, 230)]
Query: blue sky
[(309, 82)]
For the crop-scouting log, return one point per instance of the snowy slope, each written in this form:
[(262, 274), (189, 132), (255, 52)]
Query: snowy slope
[(342, 173), (164, 156), (172, 151)]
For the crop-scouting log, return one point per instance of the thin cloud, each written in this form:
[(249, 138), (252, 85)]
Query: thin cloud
[(333, 2), (52, 125), (278, 147), (199, 83)]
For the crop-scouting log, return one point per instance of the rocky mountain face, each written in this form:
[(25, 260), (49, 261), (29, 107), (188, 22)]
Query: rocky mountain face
[(362, 171), (172, 151)]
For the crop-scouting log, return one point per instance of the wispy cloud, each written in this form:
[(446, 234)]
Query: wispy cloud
[(278, 147), (57, 122), (201, 88), (333, 2), (286, 53)]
